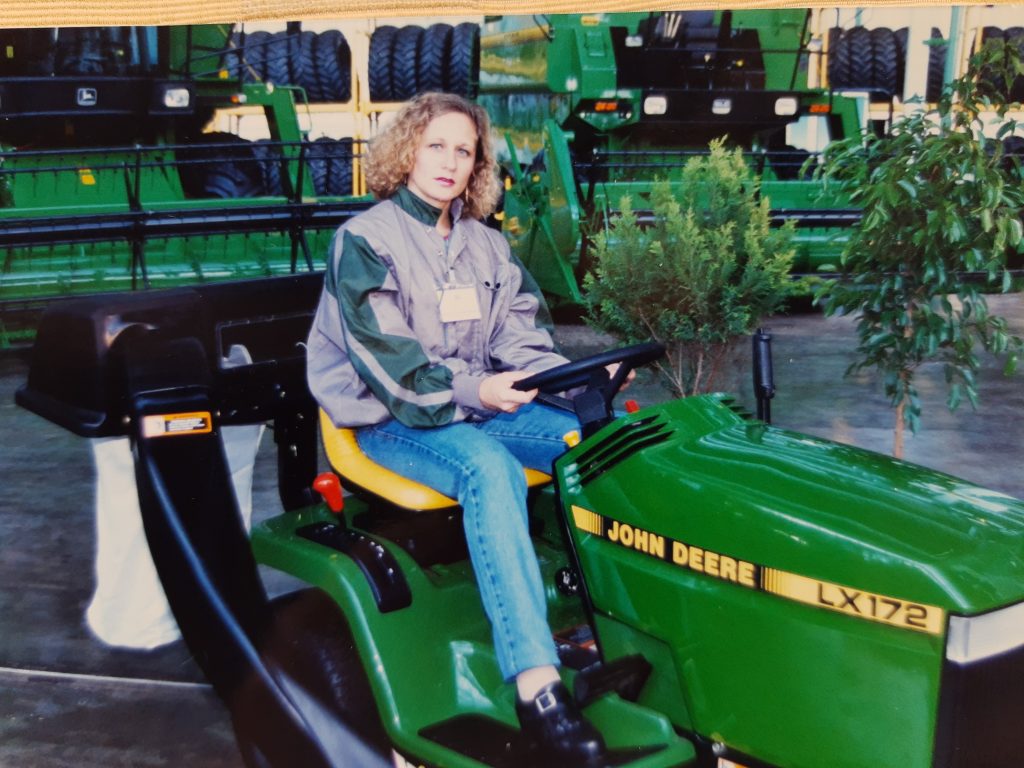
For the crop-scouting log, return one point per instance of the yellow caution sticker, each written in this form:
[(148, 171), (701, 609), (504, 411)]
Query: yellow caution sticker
[(857, 603), (86, 177), (172, 424)]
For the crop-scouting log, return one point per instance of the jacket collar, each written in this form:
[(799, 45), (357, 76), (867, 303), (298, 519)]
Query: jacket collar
[(421, 210)]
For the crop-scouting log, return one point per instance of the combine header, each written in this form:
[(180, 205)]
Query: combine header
[(108, 181)]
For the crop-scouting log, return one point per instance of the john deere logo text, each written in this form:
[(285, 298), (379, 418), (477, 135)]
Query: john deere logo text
[(695, 558), (802, 589)]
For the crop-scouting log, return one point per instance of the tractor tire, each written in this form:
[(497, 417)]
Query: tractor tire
[(787, 163), (885, 62), (997, 87), (231, 180), (257, 48), (233, 56), (318, 164), (464, 61), (303, 65), (312, 642), (382, 44), (246, 57), (325, 67), (1013, 156), (343, 85), (902, 41), (269, 160), (936, 66), (329, 163), (327, 71), (838, 59), (435, 50), (1015, 36), (861, 74), (405, 63), (341, 168), (228, 170), (277, 65)]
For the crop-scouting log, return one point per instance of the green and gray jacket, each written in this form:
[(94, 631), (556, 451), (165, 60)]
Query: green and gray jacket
[(378, 348)]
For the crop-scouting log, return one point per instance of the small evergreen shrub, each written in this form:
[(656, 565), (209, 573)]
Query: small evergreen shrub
[(705, 271)]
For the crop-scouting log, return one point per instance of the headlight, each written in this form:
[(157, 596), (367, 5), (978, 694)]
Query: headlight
[(721, 106), (974, 638), (176, 98), (787, 105), (655, 105)]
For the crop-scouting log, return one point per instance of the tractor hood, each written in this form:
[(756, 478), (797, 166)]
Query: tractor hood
[(696, 478)]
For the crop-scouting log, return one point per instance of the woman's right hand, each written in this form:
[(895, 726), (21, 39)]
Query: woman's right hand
[(497, 394)]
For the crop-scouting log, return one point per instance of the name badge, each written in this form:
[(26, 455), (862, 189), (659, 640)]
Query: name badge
[(459, 302)]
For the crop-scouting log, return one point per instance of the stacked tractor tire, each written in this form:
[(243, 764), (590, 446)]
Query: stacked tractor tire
[(403, 61), (875, 60), (868, 59), (408, 60), (1012, 36), (318, 62), (223, 165)]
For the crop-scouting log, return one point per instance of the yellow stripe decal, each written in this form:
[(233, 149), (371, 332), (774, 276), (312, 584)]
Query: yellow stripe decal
[(587, 521), (857, 603), (854, 602)]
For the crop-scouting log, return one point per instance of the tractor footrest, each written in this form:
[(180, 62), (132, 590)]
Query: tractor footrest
[(625, 676), (496, 744)]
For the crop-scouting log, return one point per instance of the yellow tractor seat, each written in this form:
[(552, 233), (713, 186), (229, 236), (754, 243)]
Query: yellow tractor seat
[(349, 461)]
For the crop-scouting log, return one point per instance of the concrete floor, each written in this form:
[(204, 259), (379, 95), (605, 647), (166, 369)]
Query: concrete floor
[(67, 700)]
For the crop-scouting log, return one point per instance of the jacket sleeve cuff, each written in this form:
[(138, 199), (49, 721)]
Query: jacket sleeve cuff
[(466, 390)]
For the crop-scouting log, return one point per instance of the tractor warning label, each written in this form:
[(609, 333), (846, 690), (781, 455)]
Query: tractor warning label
[(169, 424), (802, 589)]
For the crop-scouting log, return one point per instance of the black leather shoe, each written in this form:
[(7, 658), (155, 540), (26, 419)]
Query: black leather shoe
[(555, 729)]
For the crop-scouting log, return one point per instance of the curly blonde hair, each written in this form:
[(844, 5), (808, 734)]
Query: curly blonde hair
[(392, 154)]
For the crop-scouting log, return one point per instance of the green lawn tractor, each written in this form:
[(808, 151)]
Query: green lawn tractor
[(723, 593)]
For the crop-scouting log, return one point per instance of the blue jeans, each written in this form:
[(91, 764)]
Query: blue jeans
[(481, 465)]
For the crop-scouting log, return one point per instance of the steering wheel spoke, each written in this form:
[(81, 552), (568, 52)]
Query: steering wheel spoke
[(590, 373)]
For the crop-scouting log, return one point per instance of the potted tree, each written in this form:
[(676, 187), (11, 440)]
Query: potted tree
[(941, 206)]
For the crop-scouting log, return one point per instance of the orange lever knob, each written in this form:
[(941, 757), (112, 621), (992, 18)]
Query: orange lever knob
[(328, 486)]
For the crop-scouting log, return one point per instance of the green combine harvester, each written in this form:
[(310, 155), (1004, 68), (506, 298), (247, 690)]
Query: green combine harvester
[(595, 107), (111, 178), (108, 182)]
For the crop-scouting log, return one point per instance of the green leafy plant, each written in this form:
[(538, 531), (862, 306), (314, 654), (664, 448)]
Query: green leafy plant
[(704, 272), (941, 211)]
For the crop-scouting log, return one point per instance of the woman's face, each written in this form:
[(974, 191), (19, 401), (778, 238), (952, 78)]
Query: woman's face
[(444, 159)]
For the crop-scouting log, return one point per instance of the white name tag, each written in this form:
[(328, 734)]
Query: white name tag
[(459, 302)]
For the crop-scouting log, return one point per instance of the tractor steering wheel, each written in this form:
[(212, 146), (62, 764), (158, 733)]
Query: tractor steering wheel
[(577, 373), (581, 373)]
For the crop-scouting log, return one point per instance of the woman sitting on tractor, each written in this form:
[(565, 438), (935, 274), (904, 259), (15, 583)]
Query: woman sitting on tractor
[(425, 323)]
